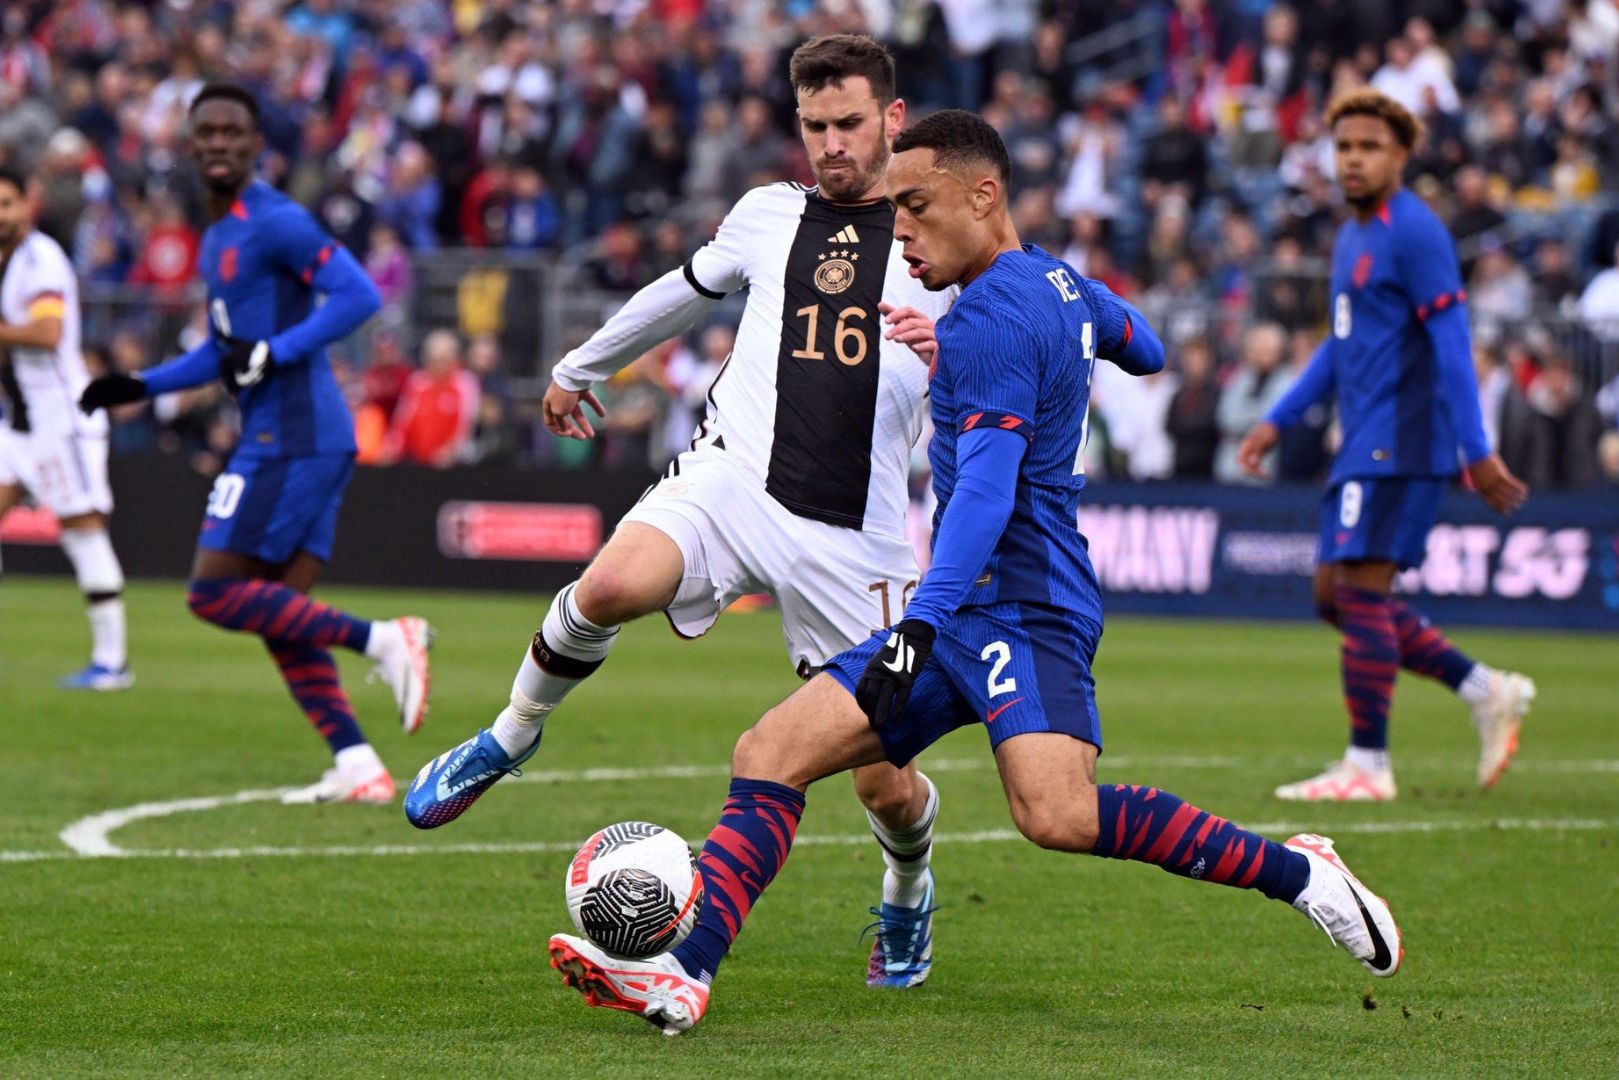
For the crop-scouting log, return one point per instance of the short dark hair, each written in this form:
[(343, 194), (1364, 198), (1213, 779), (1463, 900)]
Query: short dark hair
[(831, 58), (958, 138), (227, 92), (14, 178)]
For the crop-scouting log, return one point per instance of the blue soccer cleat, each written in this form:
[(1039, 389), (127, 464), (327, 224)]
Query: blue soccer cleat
[(96, 677), (451, 782), (902, 954)]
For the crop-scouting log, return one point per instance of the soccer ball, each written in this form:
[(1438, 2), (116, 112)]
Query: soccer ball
[(634, 889)]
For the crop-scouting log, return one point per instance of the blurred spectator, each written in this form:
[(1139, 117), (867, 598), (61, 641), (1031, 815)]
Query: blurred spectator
[(1569, 423), (1191, 422), (437, 409), (534, 221), (1303, 455), (635, 399), (388, 265), (1599, 303), (689, 374), (1174, 160), (1509, 423), (1258, 384), (491, 437), (1551, 275), (411, 200), (1499, 289)]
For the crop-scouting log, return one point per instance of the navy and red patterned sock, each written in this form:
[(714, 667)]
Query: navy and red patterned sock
[(276, 613), (1146, 824), (740, 858), (1426, 651), (1370, 659), (311, 675)]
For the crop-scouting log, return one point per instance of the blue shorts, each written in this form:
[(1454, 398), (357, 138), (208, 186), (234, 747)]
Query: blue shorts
[(1382, 520), (273, 508), (1015, 668)]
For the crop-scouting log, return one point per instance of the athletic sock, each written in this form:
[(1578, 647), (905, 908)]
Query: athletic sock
[(1426, 651), (565, 652), (358, 762), (1367, 760), (108, 637), (276, 613), (1370, 660), (101, 579), (740, 858), (1477, 685), (906, 852), (1148, 825), (311, 675)]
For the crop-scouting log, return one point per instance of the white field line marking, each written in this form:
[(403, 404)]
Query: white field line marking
[(92, 836), (986, 836)]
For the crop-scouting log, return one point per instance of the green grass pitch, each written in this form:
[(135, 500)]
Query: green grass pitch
[(246, 942)]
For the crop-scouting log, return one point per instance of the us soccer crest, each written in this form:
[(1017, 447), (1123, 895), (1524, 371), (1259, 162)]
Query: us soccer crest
[(836, 272)]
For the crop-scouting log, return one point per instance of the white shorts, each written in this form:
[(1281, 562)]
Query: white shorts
[(835, 585), (66, 474)]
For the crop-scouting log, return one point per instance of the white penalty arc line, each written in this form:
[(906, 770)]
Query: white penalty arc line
[(985, 836), (92, 836)]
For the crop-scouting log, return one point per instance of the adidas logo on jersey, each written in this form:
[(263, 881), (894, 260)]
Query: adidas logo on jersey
[(845, 235)]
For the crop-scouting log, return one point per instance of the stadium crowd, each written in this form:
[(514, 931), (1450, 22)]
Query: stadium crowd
[(1172, 150)]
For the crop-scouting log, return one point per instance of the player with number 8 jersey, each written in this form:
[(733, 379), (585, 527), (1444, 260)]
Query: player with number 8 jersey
[(795, 482)]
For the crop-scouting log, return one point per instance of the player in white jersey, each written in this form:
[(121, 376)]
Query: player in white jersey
[(48, 448), (795, 482)]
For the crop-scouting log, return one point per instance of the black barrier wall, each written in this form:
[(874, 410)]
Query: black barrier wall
[(473, 528), (1158, 548)]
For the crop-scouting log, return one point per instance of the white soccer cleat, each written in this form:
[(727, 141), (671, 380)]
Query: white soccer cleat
[(1499, 718), (375, 788), (1343, 781), (1352, 915), (403, 666), (657, 989)]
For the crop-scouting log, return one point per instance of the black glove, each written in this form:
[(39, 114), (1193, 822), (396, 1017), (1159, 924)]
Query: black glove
[(110, 390), (244, 363), (887, 681)]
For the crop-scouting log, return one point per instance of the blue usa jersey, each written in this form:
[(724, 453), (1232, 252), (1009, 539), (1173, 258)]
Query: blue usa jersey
[(260, 262), (1403, 412), (1017, 351)]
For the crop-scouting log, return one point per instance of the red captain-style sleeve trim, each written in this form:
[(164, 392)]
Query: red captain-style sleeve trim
[(1441, 302)]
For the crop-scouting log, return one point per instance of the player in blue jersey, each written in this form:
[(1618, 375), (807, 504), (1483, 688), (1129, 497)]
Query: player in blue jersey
[(1399, 360), (272, 515), (1005, 624)]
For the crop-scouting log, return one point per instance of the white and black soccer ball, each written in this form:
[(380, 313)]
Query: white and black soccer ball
[(634, 889)]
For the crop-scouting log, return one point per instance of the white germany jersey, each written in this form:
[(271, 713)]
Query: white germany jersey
[(45, 383), (812, 401)]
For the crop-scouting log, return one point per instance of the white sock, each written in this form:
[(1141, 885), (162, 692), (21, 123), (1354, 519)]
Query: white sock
[(101, 579), (359, 762), (107, 634), (1478, 685), (384, 636), (1366, 760), (568, 648), (906, 853)]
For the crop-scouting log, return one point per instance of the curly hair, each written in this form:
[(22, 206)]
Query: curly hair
[(1365, 101)]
